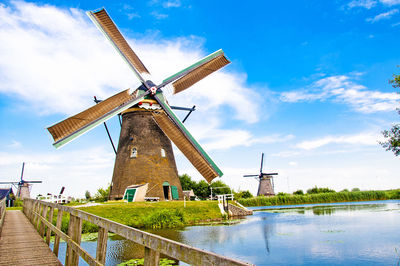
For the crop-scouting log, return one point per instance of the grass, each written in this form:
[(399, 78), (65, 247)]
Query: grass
[(14, 208), (322, 198), (157, 214)]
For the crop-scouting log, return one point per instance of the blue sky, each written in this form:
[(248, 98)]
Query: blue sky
[(308, 86)]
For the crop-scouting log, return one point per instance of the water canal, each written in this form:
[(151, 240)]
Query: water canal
[(357, 233)]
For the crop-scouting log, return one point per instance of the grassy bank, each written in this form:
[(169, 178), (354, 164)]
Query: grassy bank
[(150, 215), (321, 198)]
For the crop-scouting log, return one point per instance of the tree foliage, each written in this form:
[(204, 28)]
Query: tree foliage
[(102, 194), (298, 192), (316, 190), (202, 188), (392, 136), (87, 195), (186, 182), (243, 194)]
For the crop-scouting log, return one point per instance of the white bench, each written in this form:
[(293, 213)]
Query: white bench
[(151, 198)]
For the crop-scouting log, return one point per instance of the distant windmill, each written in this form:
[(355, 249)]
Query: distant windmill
[(144, 153), (23, 186), (266, 185)]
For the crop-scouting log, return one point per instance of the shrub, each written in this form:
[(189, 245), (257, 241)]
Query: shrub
[(316, 190), (164, 219), (243, 195), (298, 192)]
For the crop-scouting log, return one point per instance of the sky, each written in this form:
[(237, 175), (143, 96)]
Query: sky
[(308, 86)]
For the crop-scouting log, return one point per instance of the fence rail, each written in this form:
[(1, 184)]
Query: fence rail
[(2, 213), (41, 213)]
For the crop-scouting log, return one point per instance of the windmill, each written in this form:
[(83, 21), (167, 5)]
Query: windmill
[(23, 186), (266, 181), (144, 153)]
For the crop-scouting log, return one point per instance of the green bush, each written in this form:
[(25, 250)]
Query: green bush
[(18, 203), (243, 195), (316, 190), (164, 219), (298, 192)]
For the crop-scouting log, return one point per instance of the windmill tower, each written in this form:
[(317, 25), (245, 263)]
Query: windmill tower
[(144, 153), (23, 186), (266, 181)]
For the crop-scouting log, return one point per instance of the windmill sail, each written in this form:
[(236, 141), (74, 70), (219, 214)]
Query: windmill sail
[(110, 30), (185, 142), (196, 72), (71, 128)]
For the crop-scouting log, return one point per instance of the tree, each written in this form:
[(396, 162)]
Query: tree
[(298, 192), (186, 182), (87, 195), (316, 190), (102, 194), (243, 195), (392, 136), (202, 189), (220, 187)]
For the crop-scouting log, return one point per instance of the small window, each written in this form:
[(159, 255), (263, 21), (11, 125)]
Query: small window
[(162, 153), (134, 153)]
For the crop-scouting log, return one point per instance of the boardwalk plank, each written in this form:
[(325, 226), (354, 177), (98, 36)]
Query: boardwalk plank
[(21, 244)]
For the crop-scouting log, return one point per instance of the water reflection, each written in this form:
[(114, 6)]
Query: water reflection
[(323, 211), (267, 227)]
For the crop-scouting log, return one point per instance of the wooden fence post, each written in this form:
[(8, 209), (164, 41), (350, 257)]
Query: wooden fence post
[(31, 211), (38, 211), (57, 237), (48, 232), (102, 245), (151, 257), (42, 225), (74, 231)]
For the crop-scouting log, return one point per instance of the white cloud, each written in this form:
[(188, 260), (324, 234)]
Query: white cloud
[(368, 4), (57, 169), (358, 139), (158, 15), (14, 144), (56, 60), (342, 89), (385, 15), (225, 139), (171, 3), (390, 2)]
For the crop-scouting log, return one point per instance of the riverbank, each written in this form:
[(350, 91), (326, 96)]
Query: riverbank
[(330, 197)]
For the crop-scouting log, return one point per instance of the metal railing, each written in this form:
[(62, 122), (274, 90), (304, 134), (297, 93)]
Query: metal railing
[(41, 213), (2, 213)]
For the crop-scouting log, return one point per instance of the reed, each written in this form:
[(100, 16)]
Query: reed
[(321, 198)]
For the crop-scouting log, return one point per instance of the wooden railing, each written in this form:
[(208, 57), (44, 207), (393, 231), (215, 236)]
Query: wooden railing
[(2, 212), (41, 213)]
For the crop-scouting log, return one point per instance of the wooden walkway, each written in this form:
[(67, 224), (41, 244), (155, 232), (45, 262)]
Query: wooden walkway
[(20, 243)]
